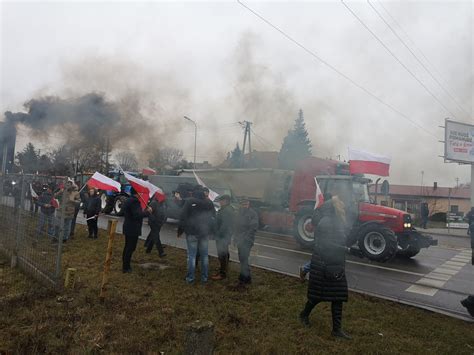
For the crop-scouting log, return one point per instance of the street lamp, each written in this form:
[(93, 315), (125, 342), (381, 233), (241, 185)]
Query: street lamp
[(195, 137)]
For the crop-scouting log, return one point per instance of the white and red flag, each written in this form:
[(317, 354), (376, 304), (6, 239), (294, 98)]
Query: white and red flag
[(148, 171), (103, 182), (33, 192), (212, 194), (361, 162), (145, 189), (319, 195)]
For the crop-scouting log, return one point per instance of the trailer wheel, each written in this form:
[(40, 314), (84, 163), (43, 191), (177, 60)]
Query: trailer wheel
[(377, 243), (303, 229), (409, 252), (118, 205), (105, 204)]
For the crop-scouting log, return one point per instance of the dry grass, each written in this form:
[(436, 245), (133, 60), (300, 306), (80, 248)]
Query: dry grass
[(147, 311)]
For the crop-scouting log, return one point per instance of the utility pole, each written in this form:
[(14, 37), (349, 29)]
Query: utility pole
[(107, 149), (195, 138), (422, 175), (246, 125), (457, 183)]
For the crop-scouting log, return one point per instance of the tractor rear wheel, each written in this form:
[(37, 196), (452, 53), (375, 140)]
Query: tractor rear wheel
[(377, 242), (303, 228), (105, 203), (119, 201)]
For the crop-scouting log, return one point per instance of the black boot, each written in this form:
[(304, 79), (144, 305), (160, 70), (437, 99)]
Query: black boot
[(304, 315), (336, 311), (468, 303)]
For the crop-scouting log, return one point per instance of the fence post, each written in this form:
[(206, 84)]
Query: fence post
[(62, 211), (18, 202), (111, 227)]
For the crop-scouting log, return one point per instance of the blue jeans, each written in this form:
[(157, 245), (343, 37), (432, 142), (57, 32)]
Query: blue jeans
[(194, 243), (67, 228), (43, 220), (307, 267)]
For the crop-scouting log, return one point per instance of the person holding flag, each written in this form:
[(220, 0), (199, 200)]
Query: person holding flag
[(319, 198), (92, 208), (132, 226)]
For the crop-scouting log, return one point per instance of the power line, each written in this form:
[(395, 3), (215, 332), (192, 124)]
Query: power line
[(418, 48), (333, 68), (396, 58), (416, 57)]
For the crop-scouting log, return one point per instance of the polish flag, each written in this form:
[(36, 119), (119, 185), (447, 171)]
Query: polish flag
[(145, 189), (103, 182), (212, 194), (148, 171), (33, 192), (319, 195), (361, 162)]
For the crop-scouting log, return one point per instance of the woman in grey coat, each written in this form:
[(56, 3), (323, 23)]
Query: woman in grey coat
[(327, 280)]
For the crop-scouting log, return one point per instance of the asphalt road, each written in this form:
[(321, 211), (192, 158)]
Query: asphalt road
[(436, 279)]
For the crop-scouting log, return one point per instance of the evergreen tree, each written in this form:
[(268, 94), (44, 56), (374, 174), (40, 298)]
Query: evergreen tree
[(296, 145), (235, 157), (28, 159)]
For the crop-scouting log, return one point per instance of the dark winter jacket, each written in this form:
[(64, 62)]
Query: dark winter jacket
[(425, 211), (92, 206), (197, 217), (225, 223), (246, 225), (327, 281), (45, 199), (158, 217), (133, 217)]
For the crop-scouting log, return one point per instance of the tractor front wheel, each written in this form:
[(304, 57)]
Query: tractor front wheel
[(377, 243)]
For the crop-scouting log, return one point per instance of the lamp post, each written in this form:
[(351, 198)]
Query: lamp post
[(195, 138)]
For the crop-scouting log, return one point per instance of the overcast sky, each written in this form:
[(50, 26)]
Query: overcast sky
[(219, 64)]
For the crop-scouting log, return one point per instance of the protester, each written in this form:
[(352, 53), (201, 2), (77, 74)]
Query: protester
[(47, 209), (92, 208), (196, 222), (69, 198), (327, 280), (132, 227), (224, 231), (425, 212), (77, 208), (156, 220), (246, 224), (469, 301), (304, 270)]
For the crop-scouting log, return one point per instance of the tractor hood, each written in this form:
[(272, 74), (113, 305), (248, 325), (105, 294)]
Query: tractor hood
[(377, 212)]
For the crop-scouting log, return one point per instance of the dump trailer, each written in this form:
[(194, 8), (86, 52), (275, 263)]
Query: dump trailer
[(285, 202)]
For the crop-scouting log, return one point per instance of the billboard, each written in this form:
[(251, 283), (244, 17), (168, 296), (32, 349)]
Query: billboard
[(459, 142)]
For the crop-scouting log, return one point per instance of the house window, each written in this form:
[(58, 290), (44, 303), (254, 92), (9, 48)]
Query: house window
[(454, 209)]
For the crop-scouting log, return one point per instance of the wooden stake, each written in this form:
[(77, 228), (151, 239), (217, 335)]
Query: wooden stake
[(111, 227)]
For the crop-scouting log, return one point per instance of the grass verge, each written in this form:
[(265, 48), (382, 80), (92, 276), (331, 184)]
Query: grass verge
[(148, 310)]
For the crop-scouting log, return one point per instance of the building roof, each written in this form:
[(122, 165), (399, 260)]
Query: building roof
[(426, 191)]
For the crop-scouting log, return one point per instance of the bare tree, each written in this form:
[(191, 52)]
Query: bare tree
[(126, 160), (166, 158)]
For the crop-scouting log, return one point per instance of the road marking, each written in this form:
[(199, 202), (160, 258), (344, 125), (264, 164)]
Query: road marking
[(422, 290), (430, 284), (348, 261), (455, 263)]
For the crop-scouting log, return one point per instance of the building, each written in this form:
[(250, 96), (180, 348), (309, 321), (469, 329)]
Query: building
[(7, 147), (453, 200)]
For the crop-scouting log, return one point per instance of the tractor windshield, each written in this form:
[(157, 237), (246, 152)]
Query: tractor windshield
[(361, 192)]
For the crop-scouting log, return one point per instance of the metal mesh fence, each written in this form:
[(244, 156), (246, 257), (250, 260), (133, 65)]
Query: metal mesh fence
[(33, 223)]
